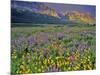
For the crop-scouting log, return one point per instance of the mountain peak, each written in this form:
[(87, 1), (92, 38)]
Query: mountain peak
[(81, 17)]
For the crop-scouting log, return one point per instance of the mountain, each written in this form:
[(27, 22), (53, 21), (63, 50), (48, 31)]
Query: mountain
[(33, 12), (36, 12), (40, 8), (20, 16), (80, 17)]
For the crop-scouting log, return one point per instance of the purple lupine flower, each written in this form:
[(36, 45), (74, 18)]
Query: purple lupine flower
[(31, 40), (19, 43), (82, 47), (41, 38), (60, 36)]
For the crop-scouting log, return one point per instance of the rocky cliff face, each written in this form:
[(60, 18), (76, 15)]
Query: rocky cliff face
[(50, 12), (80, 17), (40, 8)]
